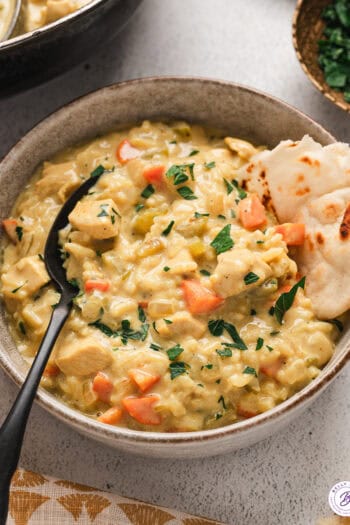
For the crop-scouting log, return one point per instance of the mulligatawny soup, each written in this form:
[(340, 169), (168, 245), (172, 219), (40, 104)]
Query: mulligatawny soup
[(190, 313)]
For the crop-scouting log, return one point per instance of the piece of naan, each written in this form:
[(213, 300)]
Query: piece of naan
[(305, 182)]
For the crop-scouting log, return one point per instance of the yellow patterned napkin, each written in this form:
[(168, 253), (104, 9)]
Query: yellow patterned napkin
[(41, 500)]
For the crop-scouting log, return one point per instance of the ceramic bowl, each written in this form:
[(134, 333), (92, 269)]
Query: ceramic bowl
[(308, 28), (244, 112), (37, 56)]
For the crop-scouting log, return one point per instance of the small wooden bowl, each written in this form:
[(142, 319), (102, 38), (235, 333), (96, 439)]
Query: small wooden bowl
[(308, 27)]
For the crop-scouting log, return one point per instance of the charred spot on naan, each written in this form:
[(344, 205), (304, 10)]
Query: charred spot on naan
[(302, 191), (319, 238), (344, 229), (309, 161)]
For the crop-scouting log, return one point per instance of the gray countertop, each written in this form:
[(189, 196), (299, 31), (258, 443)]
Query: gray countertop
[(285, 479)]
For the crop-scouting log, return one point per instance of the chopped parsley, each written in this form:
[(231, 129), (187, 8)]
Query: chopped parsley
[(271, 310), (260, 242), (250, 370), (218, 416), (166, 268), (177, 368), (168, 228), (194, 152), (209, 366), (199, 215), (285, 300), (233, 214), (222, 400), (270, 349), (22, 327), (204, 272), (180, 173), (148, 191), (167, 321), (125, 332), (229, 186), (241, 193), (187, 193), (221, 217), (19, 232), (209, 165), (154, 327), (155, 347), (274, 332), (141, 314), (251, 278), (224, 352), (217, 326), (97, 171), (103, 212), (223, 241), (139, 207), (41, 257), (174, 352), (259, 343), (15, 290)]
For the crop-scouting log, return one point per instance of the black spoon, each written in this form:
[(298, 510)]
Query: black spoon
[(13, 428)]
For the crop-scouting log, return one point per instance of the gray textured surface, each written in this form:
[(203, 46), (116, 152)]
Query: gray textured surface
[(284, 480)]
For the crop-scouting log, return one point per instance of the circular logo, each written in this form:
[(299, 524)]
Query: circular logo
[(339, 498)]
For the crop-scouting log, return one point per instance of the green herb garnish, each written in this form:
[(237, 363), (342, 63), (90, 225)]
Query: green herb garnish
[(186, 193), (270, 349), (204, 272), (22, 327), (209, 165), (19, 232), (251, 278), (177, 368), (15, 290), (180, 173), (259, 343), (74, 282), (103, 212), (209, 366), (194, 152), (155, 347), (166, 268), (223, 241), (222, 400), (241, 193), (148, 191), (285, 300), (224, 352), (168, 228), (141, 314), (199, 215), (229, 187), (139, 207), (174, 352), (250, 370)]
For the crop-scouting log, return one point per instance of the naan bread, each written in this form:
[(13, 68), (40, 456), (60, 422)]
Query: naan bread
[(305, 182)]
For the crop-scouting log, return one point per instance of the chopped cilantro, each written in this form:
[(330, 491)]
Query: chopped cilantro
[(221, 217), (218, 416), (194, 152), (238, 342), (19, 232), (270, 349), (15, 290), (241, 193), (199, 215), (178, 172), (251, 278), (209, 165), (173, 142), (216, 327), (274, 332), (209, 366), (177, 368), (139, 207), (154, 327), (174, 352), (200, 384), (167, 321), (166, 268), (41, 257), (104, 329), (97, 171), (186, 193), (259, 343), (168, 228), (271, 310), (223, 241), (250, 370), (260, 242), (204, 272), (285, 300), (229, 187), (147, 192), (222, 400)]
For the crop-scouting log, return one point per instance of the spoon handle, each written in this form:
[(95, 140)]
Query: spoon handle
[(13, 428)]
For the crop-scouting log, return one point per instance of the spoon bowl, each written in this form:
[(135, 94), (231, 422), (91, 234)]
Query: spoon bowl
[(13, 428)]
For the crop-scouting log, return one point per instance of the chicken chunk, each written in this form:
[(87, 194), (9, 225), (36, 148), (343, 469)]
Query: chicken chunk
[(181, 323), (83, 357), (232, 269), (24, 278), (100, 219)]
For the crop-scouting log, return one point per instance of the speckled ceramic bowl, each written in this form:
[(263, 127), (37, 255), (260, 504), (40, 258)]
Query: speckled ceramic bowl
[(308, 28), (245, 113), (37, 56)]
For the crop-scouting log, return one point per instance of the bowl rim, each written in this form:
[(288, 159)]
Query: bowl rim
[(122, 435), (49, 28), (328, 94)]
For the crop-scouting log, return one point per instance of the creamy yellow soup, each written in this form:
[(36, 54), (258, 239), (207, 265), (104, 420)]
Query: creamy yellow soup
[(175, 326)]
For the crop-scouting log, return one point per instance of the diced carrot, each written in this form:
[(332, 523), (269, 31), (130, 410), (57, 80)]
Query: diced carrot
[(10, 226), (141, 409), (143, 379), (154, 174), (271, 369), (143, 304), (51, 370), (111, 416), (293, 234), (251, 212), (198, 298), (246, 413), (96, 284), (126, 151), (103, 387)]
